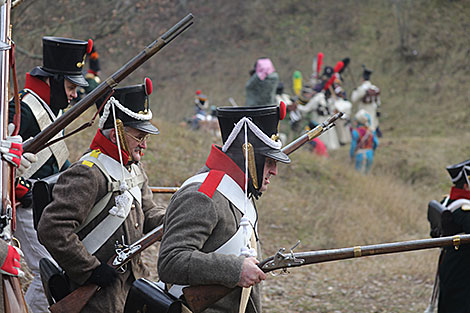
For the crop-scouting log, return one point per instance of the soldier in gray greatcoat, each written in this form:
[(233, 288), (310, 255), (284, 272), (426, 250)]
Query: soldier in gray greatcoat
[(104, 199), (211, 222)]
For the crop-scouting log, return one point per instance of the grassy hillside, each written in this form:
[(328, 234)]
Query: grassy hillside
[(419, 51)]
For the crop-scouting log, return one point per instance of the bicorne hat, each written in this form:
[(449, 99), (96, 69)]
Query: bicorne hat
[(460, 173), (261, 124), (64, 56), (131, 106)]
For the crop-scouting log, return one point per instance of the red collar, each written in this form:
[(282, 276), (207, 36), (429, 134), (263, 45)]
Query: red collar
[(100, 142), (218, 160), (39, 87), (457, 193)]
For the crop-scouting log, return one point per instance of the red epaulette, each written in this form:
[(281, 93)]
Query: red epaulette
[(210, 184)]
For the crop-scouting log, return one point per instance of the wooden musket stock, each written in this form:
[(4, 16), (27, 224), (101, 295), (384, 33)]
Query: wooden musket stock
[(77, 299), (37, 143), (199, 298)]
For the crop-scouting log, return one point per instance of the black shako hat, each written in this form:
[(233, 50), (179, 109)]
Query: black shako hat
[(366, 73), (262, 133), (64, 56), (460, 172), (131, 105), (328, 71)]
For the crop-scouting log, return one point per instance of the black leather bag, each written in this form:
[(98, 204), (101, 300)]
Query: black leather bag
[(42, 196), (146, 296), (441, 221), (54, 281)]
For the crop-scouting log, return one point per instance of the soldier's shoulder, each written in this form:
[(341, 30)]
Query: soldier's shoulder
[(466, 207), (85, 170)]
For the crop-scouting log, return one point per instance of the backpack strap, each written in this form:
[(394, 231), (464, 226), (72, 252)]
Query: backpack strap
[(90, 160), (98, 236)]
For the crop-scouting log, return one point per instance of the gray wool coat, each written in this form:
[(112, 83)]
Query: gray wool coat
[(75, 193), (195, 226), (261, 92)]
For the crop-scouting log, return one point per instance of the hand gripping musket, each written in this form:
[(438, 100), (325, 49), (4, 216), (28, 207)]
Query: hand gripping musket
[(12, 295), (317, 131), (76, 300), (40, 140), (199, 298)]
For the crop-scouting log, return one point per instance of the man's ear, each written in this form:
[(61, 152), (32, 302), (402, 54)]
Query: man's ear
[(112, 135)]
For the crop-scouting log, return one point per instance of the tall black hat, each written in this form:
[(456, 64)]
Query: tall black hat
[(328, 71), (366, 73), (262, 135), (65, 57), (131, 105), (460, 172)]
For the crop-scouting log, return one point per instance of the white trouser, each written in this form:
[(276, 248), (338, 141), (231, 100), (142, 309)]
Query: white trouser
[(33, 252)]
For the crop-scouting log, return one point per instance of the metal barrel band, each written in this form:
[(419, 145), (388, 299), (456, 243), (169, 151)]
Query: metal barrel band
[(357, 251), (111, 82), (456, 241)]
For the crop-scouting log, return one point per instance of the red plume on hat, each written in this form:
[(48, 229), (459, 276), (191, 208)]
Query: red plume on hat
[(338, 66), (319, 62), (330, 82), (89, 47), (282, 110), (148, 86)]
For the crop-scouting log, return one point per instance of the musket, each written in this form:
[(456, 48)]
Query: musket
[(287, 149), (164, 189), (77, 299), (37, 143), (13, 299), (199, 298), (313, 133)]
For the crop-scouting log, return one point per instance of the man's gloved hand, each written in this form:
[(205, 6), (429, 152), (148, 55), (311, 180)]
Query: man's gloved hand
[(103, 276), (12, 265), (23, 192), (27, 159), (12, 147)]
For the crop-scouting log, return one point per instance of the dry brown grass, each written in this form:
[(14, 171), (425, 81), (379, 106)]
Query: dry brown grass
[(322, 202), (326, 204)]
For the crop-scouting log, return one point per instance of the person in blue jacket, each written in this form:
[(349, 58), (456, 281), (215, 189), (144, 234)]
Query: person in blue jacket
[(363, 143)]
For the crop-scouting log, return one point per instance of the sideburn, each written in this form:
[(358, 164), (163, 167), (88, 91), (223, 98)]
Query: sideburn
[(58, 96)]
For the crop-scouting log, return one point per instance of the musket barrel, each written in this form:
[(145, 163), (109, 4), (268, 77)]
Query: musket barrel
[(313, 257), (37, 143), (164, 189), (317, 131)]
